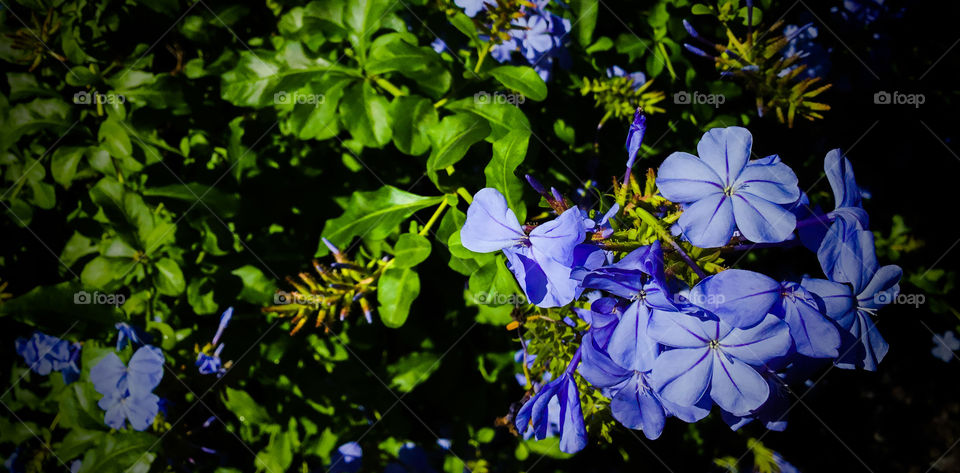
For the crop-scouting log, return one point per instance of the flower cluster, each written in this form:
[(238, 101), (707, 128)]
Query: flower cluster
[(529, 29), (657, 346), (45, 353), (127, 389), (208, 358)]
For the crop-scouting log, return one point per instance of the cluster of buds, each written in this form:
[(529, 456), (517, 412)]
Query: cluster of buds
[(330, 294), (758, 61), (620, 96), (33, 41), (496, 19)]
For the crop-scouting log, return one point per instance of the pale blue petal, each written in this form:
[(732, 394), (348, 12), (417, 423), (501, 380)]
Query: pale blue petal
[(726, 151), (842, 181), (141, 410), (676, 329), (490, 224), (813, 334), (759, 344), (573, 432), (683, 178), (762, 221), (145, 370), (847, 253), (557, 238), (771, 182), (882, 288), (107, 374), (833, 299), (682, 375), (738, 297), (736, 387), (636, 407), (709, 222), (597, 367), (630, 346)]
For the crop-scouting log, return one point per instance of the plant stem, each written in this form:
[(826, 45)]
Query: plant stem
[(389, 87), (466, 195), (664, 235), (483, 55), (435, 216), (574, 362)]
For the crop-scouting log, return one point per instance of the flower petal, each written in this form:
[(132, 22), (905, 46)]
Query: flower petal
[(676, 329), (738, 297), (709, 222), (882, 288), (107, 374), (847, 253), (557, 238), (684, 178), (636, 407), (630, 346), (726, 151), (145, 370), (490, 224), (682, 375), (813, 334), (839, 172), (762, 221), (759, 344), (771, 182), (736, 387), (573, 432), (141, 410), (597, 367)]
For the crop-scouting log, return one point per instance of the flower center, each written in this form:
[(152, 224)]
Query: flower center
[(714, 344), (728, 191)]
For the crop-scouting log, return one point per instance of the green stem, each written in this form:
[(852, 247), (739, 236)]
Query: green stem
[(436, 215), (389, 87), (483, 55), (664, 234), (466, 195)]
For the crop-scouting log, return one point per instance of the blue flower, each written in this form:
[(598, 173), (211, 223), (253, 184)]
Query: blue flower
[(208, 363), (573, 433), (540, 36), (712, 357), (541, 261), (814, 335), (346, 459), (635, 138), (472, 7), (723, 191), (127, 389), (126, 334), (944, 346), (638, 78), (637, 277), (772, 414), (45, 353), (739, 298)]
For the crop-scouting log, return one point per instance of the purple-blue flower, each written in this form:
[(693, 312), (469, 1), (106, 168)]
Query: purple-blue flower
[(210, 363), (945, 345), (541, 260), (813, 334), (45, 353), (472, 7), (127, 389), (346, 459), (638, 78), (723, 190), (573, 433), (710, 357), (126, 334)]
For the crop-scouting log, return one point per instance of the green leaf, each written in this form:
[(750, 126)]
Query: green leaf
[(366, 115), (412, 369), (523, 79), (586, 12), (508, 153), (318, 121), (396, 291), (114, 139), (169, 279), (413, 116), (503, 118), (565, 132), (63, 164), (221, 203), (452, 137), (76, 248), (411, 249), (257, 288), (118, 453), (200, 296), (102, 271), (364, 16), (373, 215)]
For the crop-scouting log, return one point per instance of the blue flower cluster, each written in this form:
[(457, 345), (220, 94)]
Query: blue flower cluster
[(210, 363), (658, 348), (538, 35), (128, 389), (45, 353)]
